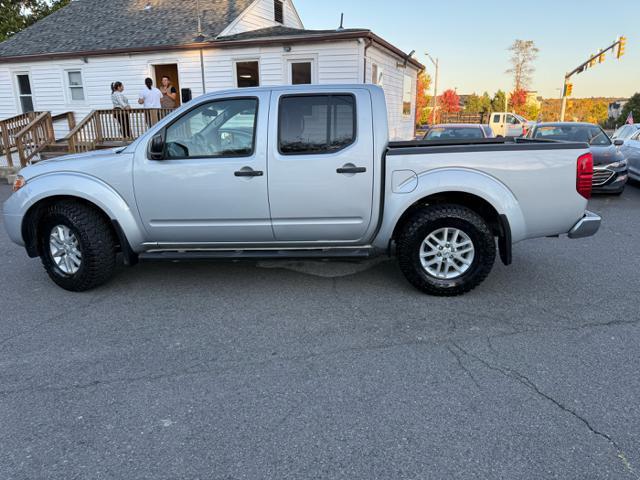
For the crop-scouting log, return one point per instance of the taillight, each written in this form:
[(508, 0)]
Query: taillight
[(584, 175)]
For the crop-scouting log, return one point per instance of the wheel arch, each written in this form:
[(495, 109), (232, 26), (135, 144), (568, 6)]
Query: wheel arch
[(498, 223), (87, 191)]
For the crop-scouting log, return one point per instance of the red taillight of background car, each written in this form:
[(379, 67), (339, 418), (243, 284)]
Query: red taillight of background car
[(584, 175)]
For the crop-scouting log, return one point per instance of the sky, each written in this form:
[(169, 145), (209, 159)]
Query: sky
[(471, 37)]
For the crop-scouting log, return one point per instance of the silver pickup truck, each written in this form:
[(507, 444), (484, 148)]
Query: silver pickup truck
[(299, 172)]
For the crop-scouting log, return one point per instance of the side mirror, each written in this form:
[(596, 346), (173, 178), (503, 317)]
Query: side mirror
[(156, 149), (618, 142)]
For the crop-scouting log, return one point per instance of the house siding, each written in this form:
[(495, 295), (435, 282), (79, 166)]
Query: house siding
[(401, 127), (50, 90), (339, 62), (261, 14)]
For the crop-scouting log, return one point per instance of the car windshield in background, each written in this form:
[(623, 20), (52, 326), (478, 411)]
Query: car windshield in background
[(453, 133), (590, 134)]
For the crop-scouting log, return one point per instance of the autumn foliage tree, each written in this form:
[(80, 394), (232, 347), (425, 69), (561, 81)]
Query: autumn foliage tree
[(518, 101), (449, 102), (423, 98)]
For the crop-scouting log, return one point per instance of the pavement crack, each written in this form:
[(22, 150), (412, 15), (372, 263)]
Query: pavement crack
[(527, 382), (461, 364)]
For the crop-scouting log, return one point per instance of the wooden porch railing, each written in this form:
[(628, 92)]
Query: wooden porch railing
[(113, 128), (9, 128), (35, 137), (70, 117)]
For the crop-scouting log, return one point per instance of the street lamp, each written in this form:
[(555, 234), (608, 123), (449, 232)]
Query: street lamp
[(436, 64)]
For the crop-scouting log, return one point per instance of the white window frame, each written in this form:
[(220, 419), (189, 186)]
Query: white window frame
[(246, 60), (375, 69), (68, 86), (18, 95), (411, 96), (313, 60)]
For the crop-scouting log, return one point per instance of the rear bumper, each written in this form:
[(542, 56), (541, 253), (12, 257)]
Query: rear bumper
[(587, 226)]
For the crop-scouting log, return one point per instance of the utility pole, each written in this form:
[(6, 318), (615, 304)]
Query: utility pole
[(436, 63), (567, 87)]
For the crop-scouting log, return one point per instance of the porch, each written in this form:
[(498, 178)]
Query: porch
[(30, 137)]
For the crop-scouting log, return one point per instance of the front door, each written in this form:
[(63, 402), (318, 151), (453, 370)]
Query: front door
[(211, 187), (321, 166), (169, 70)]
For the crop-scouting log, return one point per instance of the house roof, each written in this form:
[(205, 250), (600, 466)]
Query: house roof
[(280, 32), (107, 27), (99, 25)]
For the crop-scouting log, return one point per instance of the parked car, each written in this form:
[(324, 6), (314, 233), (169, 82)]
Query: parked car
[(509, 124), (299, 172), (610, 166), (458, 131), (625, 132), (631, 151)]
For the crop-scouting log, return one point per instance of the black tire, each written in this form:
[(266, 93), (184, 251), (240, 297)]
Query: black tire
[(96, 243), (430, 219)]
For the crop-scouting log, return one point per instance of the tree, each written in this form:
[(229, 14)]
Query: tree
[(523, 54), (449, 102), (498, 102), (632, 106), (16, 15), (472, 105), (518, 101), (423, 98), (485, 103)]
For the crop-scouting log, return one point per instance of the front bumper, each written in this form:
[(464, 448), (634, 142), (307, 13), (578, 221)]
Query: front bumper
[(587, 226), (609, 180), (12, 219)]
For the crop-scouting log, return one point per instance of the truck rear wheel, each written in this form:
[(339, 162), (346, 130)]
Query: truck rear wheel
[(446, 250), (77, 246)]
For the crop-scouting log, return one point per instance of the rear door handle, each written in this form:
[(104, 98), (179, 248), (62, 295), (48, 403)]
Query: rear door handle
[(248, 173), (353, 169)]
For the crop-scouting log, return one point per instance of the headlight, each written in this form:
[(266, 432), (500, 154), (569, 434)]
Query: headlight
[(18, 183), (620, 164)]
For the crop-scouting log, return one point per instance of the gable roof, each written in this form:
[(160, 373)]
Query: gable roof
[(103, 25), (107, 27)]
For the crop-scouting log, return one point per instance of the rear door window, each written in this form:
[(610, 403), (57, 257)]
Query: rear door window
[(316, 124)]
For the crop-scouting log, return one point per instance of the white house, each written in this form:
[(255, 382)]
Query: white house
[(67, 61)]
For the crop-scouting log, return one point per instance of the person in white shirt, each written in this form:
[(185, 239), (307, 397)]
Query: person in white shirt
[(150, 97)]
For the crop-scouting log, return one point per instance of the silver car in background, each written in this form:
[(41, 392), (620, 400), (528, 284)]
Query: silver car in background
[(625, 132), (458, 131), (631, 151)]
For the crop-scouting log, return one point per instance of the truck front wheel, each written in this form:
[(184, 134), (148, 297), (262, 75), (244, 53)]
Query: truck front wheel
[(446, 250), (77, 246)]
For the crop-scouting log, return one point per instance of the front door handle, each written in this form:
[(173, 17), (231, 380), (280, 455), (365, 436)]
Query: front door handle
[(351, 169), (248, 172)]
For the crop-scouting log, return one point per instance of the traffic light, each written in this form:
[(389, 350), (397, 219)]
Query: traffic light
[(568, 89), (592, 62), (622, 44), (602, 57)]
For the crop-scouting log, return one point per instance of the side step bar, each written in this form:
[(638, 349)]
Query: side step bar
[(237, 255)]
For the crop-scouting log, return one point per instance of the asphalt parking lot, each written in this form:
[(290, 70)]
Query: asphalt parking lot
[(339, 370)]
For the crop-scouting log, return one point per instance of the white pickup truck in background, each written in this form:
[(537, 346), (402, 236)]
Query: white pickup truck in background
[(299, 172)]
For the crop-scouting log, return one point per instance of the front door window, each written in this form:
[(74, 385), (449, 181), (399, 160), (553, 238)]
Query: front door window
[(223, 128)]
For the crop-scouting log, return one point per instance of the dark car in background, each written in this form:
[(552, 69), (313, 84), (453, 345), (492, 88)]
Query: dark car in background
[(609, 164), (458, 131)]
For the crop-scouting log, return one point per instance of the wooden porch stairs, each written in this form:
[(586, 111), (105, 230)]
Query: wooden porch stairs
[(32, 135)]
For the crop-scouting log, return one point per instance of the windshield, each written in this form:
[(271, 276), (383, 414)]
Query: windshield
[(453, 133), (591, 134)]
